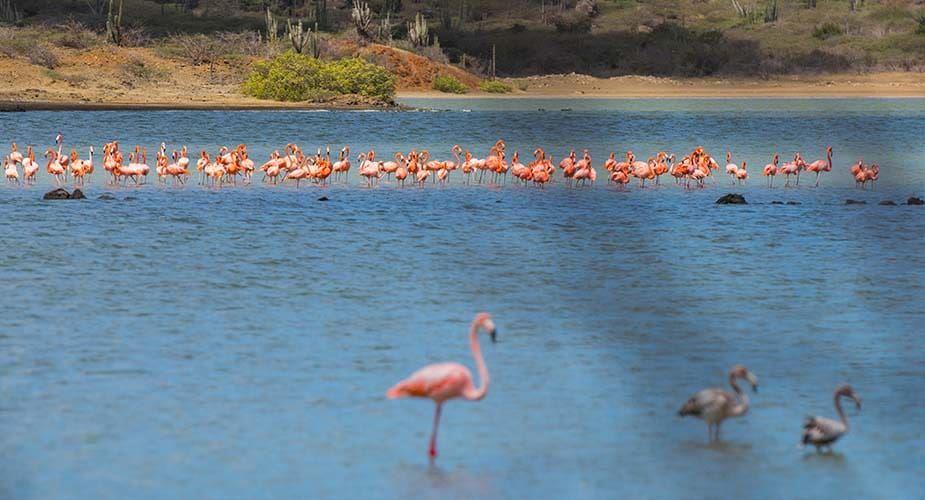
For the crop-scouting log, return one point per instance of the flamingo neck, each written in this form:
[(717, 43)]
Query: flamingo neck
[(456, 155), (742, 396), (841, 412), (471, 392)]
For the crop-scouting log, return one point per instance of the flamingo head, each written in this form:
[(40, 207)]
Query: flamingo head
[(91, 149), (14, 146), (848, 392), (59, 138), (739, 371), (483, 320), (828, 150), (728, 156), (457, 148), (74, 154), (776, 157)]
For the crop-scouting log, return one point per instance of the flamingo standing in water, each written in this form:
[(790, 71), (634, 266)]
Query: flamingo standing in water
[(29, 166), (741, 173), (715, 405), (820, 431), (9, 169), (731, 168), (770, 170), (443, 381), (820, 166)]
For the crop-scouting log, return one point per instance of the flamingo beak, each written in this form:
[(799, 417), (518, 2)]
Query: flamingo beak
[(753, 380), (857, 400), (494, 339)]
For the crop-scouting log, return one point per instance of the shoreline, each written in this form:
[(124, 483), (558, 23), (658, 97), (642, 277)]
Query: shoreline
[(575, 86), (571, 86)]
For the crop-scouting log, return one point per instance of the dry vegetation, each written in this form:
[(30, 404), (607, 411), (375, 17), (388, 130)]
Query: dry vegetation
[(58, 48)]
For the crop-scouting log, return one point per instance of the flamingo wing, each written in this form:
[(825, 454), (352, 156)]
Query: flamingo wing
[(819, 430), (439, 381)]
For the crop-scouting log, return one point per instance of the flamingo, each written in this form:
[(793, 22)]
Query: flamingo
[(715, 405), (742, 174), (53, 167), (444, 381), (731, 168), (820, 166), (15, 155), (10, 171), (770, 170), (29, 166), (342, 165), (820, 431)]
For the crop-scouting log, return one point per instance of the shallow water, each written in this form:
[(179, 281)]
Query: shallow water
[(237, 343)]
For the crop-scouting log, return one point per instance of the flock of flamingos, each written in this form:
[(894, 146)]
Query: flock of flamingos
[(228, 165), (441, 382)]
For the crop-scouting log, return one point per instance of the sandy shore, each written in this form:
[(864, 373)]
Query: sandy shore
[(577, 86)]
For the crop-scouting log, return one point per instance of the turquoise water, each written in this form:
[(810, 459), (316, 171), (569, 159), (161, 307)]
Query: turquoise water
[(237, 343)]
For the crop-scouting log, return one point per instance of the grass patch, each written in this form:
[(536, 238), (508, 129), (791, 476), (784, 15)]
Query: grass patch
[(450, 85), (139, 70), (65, 77), (495, 87), (826, 31)]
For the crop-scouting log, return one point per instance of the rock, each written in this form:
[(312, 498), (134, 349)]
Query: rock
[(792, 202), (914, 201), (323, 198), (129, 198), (57, 194), (732, 199), (888, 202), (105, 196), (77, 195), (855, 202), (777, 202)]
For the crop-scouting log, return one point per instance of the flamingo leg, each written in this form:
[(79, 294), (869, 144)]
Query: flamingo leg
[(433, 436)]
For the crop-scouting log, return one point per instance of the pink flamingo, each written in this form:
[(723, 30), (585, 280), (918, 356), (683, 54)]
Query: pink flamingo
[(742, 174), (820, 166), (731, 168), (443, 381), (770, 170)]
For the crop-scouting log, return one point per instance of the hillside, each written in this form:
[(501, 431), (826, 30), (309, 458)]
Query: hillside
[(198, 52)]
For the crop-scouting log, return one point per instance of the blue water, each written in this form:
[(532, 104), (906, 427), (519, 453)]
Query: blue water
[(237, 342)]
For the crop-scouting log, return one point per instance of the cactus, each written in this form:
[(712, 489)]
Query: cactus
[(385, 29), (362, 16), (297, 35), (9, 13), (114, 24), (272, 28), (417, 31), (313, 43), (771, 12)]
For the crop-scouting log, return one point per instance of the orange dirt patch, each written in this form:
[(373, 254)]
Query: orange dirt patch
[(415, 72)]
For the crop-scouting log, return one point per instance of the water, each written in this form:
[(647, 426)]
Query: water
[(237, 343)]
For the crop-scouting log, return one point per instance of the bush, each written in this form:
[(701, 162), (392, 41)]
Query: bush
[(827, 30), (42, 56), (572, 22), (495, 87), (295, 77), (78, 36), (448, 84)]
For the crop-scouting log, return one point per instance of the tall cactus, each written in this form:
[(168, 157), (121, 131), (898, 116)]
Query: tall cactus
[(385, 29), (362, 16), (417, 31), (297, 35), (114, 24), (272, 27)]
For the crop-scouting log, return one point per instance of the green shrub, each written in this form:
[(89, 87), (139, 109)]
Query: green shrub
[(827, 30), (495, 87), (446, 83), (295, 77)]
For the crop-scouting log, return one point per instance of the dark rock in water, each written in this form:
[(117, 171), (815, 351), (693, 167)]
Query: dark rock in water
[(105, 196), (77, 195), (732, 199), (566, 109), (914, 201), (129, 198), (57, 194), (888, 202), (777, 202), (792, 202), (323, 198), (855, 202)]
